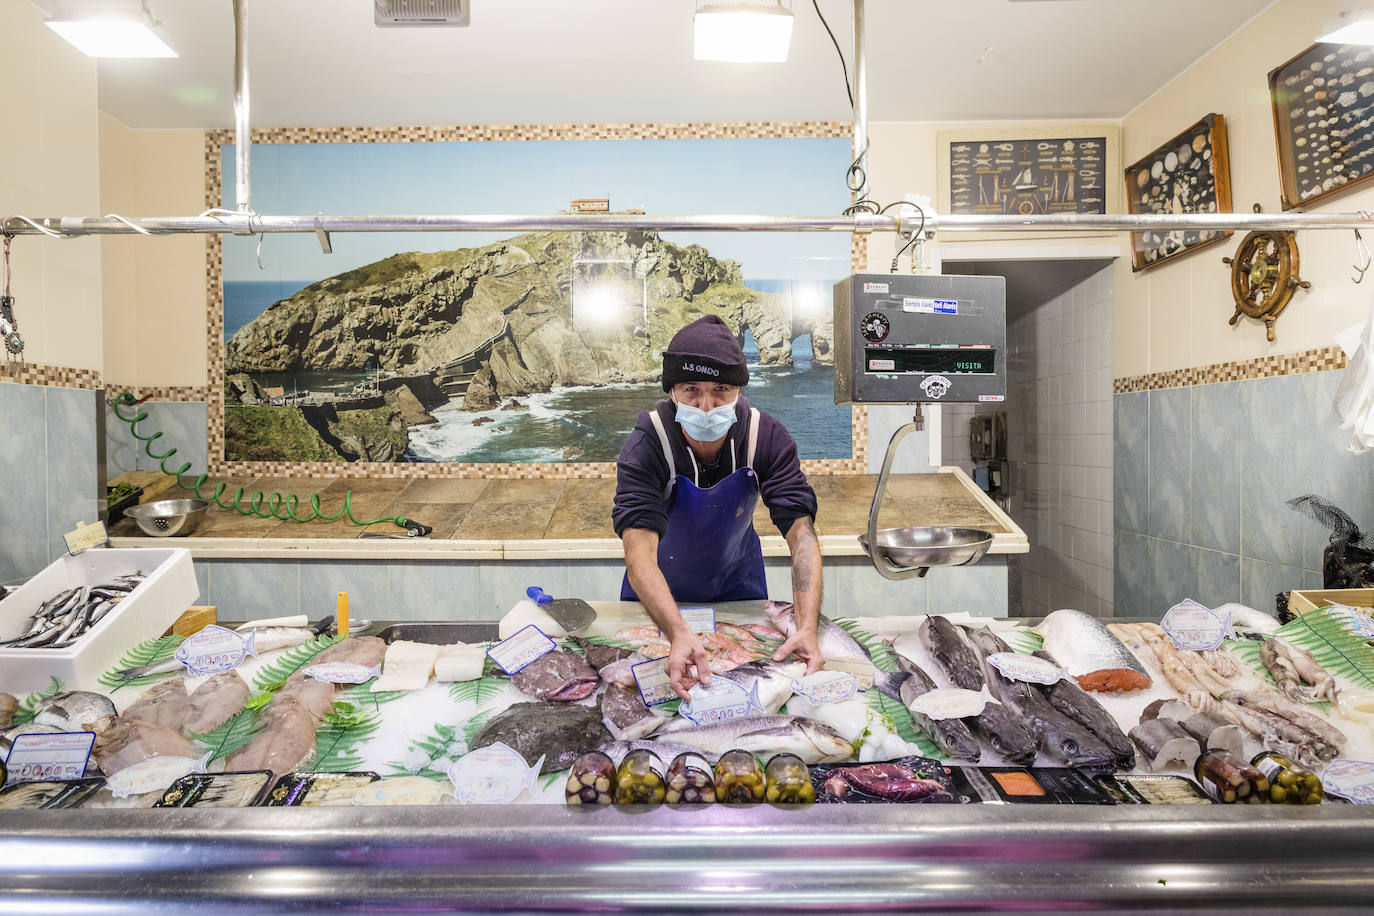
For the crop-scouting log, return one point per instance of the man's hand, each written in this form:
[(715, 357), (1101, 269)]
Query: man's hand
[(806, 646), (687, 651)]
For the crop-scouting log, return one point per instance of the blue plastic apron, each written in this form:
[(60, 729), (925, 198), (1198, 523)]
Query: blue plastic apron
[(710, 551)]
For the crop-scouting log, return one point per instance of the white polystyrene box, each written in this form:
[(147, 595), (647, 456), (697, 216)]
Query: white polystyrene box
[(169, 589)]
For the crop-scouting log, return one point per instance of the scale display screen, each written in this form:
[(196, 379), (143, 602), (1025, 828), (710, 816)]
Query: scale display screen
[(944, 360)]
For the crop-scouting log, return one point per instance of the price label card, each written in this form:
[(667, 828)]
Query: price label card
[(826, 686), (85, 537), (520, 649), (58, 756), (153, 775), (652, 679), (1026, 668), (949, 703), (722, 701), (1189, 625), (1351, 779), (214, 649), (342, 672), (861, 668), (700, 619), (493, 775), (1356, 619)]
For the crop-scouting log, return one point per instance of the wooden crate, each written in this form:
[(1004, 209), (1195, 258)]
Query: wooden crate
[(1300, 602)]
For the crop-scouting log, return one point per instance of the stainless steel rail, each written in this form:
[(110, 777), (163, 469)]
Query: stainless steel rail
[(834, 859), (243, 146), (860, 100), (253, 224)]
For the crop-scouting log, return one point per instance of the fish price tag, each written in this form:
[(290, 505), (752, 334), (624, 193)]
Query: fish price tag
[(1189, 625), (722, 701), (1356, 620), (520, 649), (1026, 668), (700, 619), (651, 678), (342, 672), (860, 668), (1352, 779), (55, 757), (493, 775), (153, 775), (85, 537), (949, 703), (215, 649), (826, 686)]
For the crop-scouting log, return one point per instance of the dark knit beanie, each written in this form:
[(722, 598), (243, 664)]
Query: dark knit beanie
[(705, 350)]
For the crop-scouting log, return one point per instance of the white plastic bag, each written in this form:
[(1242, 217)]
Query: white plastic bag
[(1354, 403)]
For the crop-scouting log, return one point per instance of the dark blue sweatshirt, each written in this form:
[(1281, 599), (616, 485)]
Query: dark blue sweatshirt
[(642, 471)]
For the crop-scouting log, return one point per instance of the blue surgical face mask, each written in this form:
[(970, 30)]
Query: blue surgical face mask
[(706, 425)]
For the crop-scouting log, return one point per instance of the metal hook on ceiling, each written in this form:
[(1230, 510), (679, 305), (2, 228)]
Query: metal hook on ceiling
[(1362, 257)]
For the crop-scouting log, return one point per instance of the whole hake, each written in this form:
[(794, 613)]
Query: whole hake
[(1073, 701), (1059, 737), (952, 736), (951, 652)]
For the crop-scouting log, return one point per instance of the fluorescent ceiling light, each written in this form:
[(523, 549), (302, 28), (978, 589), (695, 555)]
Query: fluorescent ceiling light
[(742, 33), (109, 29), (1351, 27)]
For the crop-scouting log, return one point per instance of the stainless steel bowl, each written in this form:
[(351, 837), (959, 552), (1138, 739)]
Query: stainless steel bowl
[(915, 547), (169, 517)]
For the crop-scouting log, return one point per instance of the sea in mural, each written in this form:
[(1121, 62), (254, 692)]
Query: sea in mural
[(539, 347)]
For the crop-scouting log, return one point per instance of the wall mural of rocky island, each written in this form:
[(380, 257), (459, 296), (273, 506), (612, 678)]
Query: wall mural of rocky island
[(539, 348)]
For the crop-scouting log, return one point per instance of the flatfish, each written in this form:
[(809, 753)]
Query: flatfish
[(557, 675), (558, 732)]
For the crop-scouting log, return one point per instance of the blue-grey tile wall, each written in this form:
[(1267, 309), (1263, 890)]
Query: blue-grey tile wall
[(464, 590), (1201, 482), (183, 426), (1167, 481), (1131, 445), (72, 475), (48, 455)]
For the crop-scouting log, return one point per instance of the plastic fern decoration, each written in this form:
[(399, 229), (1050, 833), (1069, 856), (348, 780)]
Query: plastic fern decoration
[(148, 652)]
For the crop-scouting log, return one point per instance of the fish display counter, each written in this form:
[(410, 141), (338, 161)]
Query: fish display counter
[(934, 762)]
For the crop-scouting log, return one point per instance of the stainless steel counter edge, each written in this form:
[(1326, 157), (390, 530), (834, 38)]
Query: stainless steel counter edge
[(761, 860)]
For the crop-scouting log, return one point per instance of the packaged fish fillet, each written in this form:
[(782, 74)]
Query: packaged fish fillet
[(217, 790), (789, 781), (48, 794), (906, 779), (1069, 786), (690, 780), (639, 780), (739, 779), (318, 789), (1230, 780), (591, 780), (1118, 792), (1160, 789), (1289, 784)]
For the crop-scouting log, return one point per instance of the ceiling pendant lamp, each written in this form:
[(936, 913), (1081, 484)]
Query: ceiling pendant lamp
[(742, 32), (109, 28), (1349, 27)]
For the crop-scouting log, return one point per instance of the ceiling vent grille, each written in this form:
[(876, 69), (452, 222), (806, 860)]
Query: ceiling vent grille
[(392, 14)]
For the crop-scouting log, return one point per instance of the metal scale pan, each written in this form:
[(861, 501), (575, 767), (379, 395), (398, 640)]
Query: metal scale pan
[(906, 339)]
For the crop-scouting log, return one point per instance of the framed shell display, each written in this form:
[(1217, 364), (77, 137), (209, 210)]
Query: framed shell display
[(1017, 170), (1323, 103), (1189, 174)]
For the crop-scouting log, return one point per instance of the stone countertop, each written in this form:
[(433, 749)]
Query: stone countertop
[(535, 519)]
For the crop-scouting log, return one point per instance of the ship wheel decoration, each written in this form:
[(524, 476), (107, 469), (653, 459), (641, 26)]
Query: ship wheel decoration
[(1264, 275)]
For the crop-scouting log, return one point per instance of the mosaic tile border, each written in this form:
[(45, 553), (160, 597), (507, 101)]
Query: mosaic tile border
[(52, 376), (214, 391), (1322, 359), (173, 393)]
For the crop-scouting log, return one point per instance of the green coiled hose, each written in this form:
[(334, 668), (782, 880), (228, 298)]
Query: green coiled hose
[(259, 504)]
